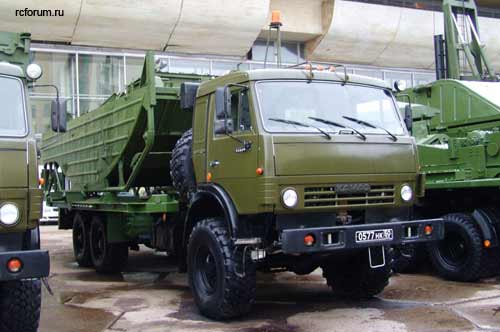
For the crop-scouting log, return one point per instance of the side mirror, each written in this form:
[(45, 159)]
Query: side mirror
[(58, 111), (408, 118), (188, 95), (400, 85), (222, 103), (223, 127)]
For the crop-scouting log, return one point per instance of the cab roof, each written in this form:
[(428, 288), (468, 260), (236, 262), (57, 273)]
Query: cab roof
[(287, 74), (10, 69)]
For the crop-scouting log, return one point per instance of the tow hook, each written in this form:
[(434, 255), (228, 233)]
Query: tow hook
[(255, 253)]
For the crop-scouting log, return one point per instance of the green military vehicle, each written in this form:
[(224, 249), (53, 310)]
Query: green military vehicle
[(22, 263), (283, 169), (456, 122)]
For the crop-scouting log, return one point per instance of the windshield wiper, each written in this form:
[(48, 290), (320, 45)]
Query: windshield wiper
[(368, 124), (300, 124), (336, 124)]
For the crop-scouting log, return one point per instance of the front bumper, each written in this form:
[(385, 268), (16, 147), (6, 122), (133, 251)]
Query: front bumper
[(337, 238), (36, 264)]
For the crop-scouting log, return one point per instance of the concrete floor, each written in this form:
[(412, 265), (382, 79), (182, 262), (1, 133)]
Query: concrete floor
[(148, 298)]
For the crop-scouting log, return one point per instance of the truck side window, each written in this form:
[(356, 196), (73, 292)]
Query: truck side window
[(240, 111), (245, 122)]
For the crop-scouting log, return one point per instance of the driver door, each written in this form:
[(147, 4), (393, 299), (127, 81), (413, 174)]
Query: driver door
[(229, 165)]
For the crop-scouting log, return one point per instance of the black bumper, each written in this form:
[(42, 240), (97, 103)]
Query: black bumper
[(36, 264), (329, 239)]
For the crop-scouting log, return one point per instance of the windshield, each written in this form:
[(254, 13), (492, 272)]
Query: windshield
[(13, 122), (329, 105)]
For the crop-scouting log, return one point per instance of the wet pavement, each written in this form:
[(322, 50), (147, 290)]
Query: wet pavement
[(151, 297)]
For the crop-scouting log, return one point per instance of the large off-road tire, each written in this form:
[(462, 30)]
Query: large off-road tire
[(181, 164), (490, 266), (81, 241), (20, 303), (459, 256), (106, 257), (353, 278), (222, 279)]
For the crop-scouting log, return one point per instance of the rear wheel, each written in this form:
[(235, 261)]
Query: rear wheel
[(459, 256), (106, 257), (353, 278), (20, 303), (81, 241), (491, 256), (222, 277)]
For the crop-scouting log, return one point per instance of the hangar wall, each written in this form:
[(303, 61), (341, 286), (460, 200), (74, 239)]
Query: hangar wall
[(188, 26), (389, 36), (332, 30)]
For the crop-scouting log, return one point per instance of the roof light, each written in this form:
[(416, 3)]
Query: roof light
[(276, 17)]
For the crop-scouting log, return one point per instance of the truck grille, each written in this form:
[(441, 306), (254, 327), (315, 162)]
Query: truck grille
[(327, 197)]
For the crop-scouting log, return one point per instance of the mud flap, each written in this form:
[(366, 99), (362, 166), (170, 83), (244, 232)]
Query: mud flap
[(376, 257)]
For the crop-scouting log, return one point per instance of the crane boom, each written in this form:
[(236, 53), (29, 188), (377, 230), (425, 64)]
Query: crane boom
[(461, 36)]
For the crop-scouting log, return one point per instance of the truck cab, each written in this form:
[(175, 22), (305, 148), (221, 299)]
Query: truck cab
[(284, 131), (22, 262)]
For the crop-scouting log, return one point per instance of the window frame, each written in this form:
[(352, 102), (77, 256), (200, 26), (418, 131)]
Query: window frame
[(312, 131), (235, 90), (24, 108)]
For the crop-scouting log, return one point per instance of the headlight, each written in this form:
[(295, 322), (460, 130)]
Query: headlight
[(9, 214), (289, 198), (406, 193)]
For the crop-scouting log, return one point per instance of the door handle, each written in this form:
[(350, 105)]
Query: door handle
[(214, 163)]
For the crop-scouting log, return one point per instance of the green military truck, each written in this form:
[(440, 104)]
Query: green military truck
[(456, 122), (22, 263), (283, 169)]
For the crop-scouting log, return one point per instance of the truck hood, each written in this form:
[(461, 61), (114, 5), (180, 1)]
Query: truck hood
[(13, 164), (343, 155)]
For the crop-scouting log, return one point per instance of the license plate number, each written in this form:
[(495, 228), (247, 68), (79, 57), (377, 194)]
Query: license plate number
[(374, 236)]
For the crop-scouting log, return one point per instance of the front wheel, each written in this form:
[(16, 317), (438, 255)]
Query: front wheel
[(106, 257), (459, 256), (222, 277), (20, 303), (353, 278)]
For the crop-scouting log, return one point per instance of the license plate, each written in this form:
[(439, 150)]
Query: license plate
[(374, 236)]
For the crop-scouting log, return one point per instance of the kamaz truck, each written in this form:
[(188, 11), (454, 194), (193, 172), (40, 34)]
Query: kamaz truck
[(261, 170), (456, 122), (22, 263)]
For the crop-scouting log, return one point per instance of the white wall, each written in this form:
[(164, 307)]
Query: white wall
[(390, 36), (334, 30), (190, 26)]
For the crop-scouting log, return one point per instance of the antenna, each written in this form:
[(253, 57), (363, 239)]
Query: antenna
[(274, 25)]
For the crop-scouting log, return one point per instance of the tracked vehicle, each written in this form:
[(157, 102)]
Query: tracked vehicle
[(456, 122), (267, 170), (22, 263)]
